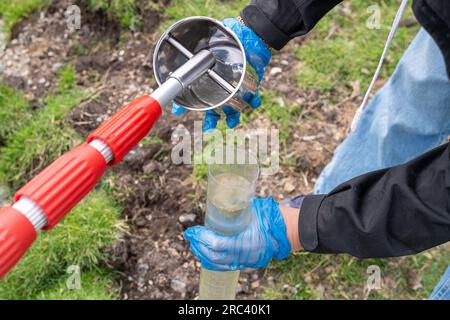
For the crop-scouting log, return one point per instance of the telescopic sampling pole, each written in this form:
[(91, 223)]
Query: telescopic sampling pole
[(48, 197)]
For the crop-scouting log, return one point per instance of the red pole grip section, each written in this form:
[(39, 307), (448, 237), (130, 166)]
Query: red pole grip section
[(128, 126), (16, 236), (60, 186)]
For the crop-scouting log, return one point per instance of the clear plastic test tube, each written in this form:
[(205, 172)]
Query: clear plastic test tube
[(231, 188)]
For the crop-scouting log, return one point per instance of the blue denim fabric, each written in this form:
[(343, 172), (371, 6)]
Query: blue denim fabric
[(442, 290), (407, 117)]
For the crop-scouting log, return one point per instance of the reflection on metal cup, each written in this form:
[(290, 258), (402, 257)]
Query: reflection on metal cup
[(225, 83)]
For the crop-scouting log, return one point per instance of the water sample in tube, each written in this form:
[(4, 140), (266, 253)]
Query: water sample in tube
[(231, 189)]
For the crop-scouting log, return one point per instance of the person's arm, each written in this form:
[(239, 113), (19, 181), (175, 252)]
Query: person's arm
[(391, 212), (278, 21)]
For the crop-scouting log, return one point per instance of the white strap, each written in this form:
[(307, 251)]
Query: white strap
[(394, 28)]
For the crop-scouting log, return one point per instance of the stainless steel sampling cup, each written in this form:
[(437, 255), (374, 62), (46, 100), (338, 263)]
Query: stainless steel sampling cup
[(225, 83)]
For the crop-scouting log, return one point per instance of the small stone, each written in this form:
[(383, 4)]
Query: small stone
[(187, 219), (178, 285), (275, 70), (149, 167), (365, 71), (255, 284), (284, 62), (142, 269), (428, 255), (41, 81), (173, 252), (56, 66), (283, 88), (310, 138), (121, 52), (281, 102), (242, 288), (289, 187), (307, 278)]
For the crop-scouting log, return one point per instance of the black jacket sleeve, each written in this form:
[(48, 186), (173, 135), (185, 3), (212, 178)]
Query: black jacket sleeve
[(391, 212), (434, 16), (278, 21)]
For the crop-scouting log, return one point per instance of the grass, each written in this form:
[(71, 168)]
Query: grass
[(351, 52), (11, 12), (313, 276), (81, 238), (212, 8), (278, 111), (14, 112), (124, 11), (45, 136), (92, 288), (328, 60)]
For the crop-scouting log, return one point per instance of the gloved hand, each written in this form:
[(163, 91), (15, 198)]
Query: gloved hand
[(264, 238), (258, 55)]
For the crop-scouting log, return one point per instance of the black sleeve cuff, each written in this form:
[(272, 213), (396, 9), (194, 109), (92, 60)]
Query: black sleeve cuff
[(263, 27), (307, 221)]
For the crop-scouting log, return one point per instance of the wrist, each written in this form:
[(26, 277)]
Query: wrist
[(241, 21), (257, 51), (290, 217)]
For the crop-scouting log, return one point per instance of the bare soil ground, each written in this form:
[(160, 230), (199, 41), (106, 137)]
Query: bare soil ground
[(158, 196)]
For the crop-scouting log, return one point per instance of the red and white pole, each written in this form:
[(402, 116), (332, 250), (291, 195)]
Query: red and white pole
[(48, 197)]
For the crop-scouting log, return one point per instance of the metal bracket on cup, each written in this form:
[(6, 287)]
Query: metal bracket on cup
[(213, 75)]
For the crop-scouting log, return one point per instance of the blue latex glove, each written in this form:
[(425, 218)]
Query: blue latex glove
[(258, 55), (264, 238)]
